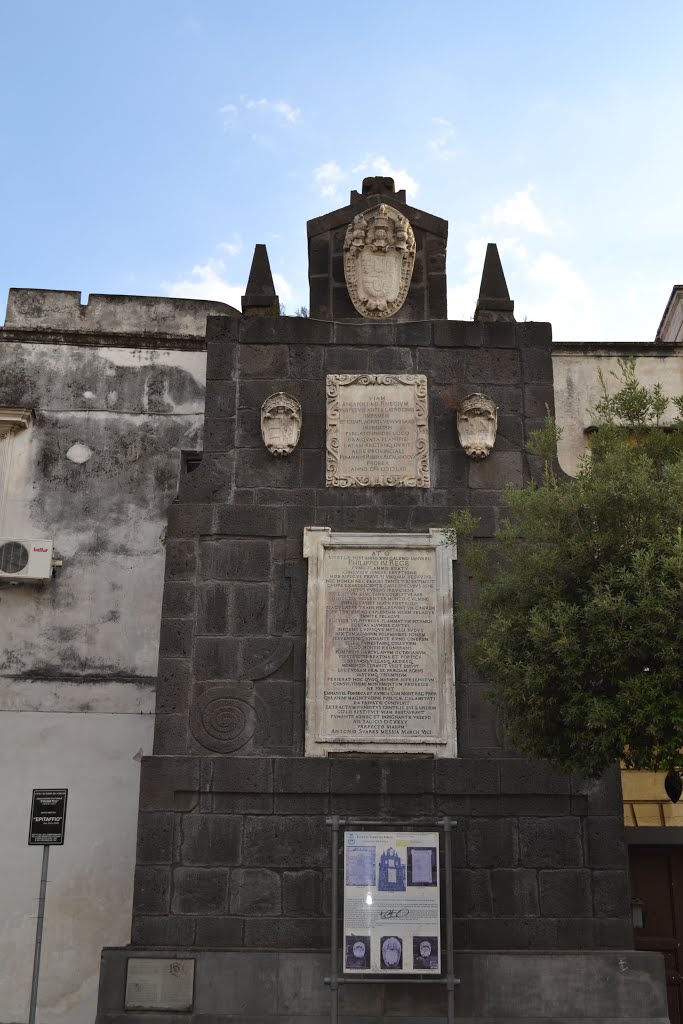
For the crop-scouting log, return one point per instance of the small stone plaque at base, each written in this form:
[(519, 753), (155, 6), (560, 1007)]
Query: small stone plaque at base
[(159, 984)]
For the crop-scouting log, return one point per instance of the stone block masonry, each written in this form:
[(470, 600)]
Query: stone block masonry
[(236, 852), (235, 537)]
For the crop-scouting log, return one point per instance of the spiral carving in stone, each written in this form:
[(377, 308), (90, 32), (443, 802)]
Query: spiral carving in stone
[(223, 719)]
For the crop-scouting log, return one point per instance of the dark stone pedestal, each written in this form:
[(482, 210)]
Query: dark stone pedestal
[(619, 987)]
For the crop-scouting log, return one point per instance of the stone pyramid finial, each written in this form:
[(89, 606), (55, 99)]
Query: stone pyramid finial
[(494, 302), (260, 299)]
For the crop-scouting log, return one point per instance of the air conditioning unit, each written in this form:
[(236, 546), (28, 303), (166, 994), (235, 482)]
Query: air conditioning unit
[(25, 559)]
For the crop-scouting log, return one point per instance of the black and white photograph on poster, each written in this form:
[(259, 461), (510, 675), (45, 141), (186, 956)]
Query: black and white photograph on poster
[(421, 865), (392, 903), (357, 952), (392, 952), (425, 953), (361, 868), (392, 872)]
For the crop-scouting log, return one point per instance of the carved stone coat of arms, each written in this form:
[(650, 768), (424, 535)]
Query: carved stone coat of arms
[(280, 423), (379, 255)]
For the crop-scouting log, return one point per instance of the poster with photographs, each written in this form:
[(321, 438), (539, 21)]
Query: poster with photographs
[(391, 903)]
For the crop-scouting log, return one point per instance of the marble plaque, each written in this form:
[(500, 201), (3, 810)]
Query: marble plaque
[(377, 430), (160, 984), (379, 643)]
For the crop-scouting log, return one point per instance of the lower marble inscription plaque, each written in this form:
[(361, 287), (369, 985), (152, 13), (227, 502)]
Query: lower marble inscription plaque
[(159, 983), (379, 663)]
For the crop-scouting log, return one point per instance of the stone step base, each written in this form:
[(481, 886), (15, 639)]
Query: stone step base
[(278, 987)]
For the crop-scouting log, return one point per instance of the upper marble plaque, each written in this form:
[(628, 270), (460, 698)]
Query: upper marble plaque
[(377, 430)]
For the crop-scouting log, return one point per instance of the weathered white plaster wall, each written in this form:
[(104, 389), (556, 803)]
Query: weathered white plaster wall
[(134, 411), (577, 386), (78, 654), (46, 309), (96, 756)]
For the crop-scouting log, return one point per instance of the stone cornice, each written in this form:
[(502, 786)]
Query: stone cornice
[(83, 339), (14, 418)]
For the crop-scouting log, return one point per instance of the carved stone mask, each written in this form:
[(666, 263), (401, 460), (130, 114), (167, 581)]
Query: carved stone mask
[(477, 425), (280, 423)]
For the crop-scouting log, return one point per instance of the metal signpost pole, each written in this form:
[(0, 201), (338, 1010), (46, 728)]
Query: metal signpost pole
[(450, 977), (39, 937), (334, 981), (48, 818)]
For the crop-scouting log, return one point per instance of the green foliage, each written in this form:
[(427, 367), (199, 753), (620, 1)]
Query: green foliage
[(578, 627), (299, 311)]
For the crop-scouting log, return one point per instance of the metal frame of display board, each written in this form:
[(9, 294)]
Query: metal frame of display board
[(336, 978)]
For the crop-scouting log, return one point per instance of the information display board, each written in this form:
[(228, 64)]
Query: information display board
[(391, 903), (48, 817)]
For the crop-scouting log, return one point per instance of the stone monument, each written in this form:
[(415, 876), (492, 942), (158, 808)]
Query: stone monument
[(309, 665)]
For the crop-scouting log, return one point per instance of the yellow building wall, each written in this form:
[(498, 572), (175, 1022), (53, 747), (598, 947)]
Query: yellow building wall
[(646, 802)]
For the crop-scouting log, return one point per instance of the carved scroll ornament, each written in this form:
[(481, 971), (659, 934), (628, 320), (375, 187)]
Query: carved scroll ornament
[(13, 419)]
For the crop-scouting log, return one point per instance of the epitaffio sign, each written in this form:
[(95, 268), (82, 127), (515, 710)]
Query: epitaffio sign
[(48, 817)]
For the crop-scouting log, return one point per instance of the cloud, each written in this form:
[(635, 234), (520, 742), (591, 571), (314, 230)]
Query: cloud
[(380, 165), (539, 272), (206, 282), (561, 297), (521, 211), (229, 114), (234, 246), (262, 141), (545, 287), (462, 299), (439, 145), (280, 108), (328, 177), (282, 287), (513, 247), (552, 270)]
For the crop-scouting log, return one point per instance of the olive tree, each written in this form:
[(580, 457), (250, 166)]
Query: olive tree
[(578, 623)]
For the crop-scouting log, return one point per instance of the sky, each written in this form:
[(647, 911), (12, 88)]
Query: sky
[(147, 146)]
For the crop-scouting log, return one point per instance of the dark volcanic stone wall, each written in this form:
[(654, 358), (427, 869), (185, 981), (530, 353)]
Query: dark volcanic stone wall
[(235, 852), (233, 845)]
